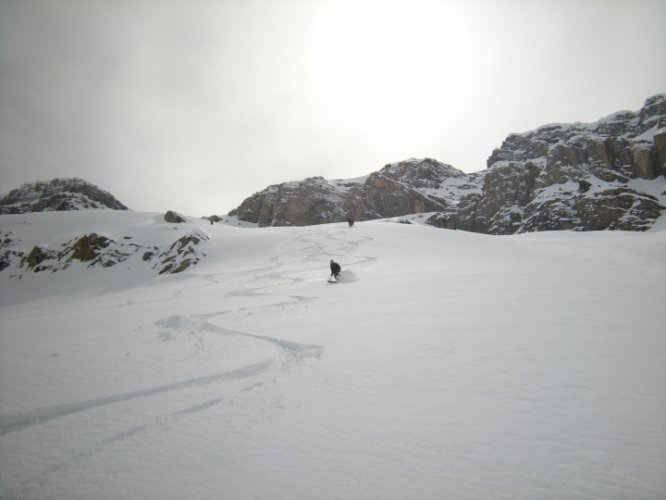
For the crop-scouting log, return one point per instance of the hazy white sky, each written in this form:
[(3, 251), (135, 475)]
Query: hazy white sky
[(193, 105)]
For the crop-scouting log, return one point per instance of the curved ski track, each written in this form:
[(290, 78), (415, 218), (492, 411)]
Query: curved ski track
[(267, 278)]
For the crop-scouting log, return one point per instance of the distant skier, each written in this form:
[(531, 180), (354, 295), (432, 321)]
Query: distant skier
[(350, 221), (335, 269)]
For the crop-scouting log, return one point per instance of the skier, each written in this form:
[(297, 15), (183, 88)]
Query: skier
[(335, 269), (350, 221)]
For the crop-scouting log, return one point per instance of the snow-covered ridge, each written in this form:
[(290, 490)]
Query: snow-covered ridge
[(58, 195), (638, 128), (640, 125)]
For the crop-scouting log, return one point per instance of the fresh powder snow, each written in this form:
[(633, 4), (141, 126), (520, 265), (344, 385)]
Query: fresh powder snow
[(443, 364)]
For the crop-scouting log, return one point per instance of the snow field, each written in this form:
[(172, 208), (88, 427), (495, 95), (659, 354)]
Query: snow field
[(443, 365)]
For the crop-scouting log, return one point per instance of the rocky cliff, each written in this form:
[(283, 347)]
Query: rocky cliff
[(575, 176), (583, 176), (57, 195), (412, 186)]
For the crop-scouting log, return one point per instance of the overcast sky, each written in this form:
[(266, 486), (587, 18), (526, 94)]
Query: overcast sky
[(194, 105)]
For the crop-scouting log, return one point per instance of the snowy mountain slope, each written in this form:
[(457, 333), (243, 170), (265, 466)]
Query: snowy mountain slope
[(444, 364)]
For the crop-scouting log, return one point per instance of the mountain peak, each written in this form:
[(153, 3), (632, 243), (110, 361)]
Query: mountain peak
[(421, 172), (58, 194)]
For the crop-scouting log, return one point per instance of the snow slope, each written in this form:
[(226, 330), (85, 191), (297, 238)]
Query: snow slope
[(444, 365)]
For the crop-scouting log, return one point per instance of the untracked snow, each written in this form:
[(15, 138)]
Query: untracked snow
[(443, 364)]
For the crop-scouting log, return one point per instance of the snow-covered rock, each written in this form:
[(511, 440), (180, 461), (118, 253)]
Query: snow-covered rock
[(57, 195), (144, 243), (575, 176), (421, 173)]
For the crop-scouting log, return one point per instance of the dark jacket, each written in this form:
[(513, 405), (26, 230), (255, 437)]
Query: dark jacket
[(335, 268)]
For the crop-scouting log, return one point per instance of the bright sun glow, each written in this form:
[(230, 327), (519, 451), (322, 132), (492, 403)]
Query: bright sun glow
[(388, 59)]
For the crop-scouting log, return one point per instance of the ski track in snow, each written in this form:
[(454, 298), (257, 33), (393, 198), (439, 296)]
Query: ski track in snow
[(267, 278), (11, 423), (276, 281), (161, 420), (289, 351)]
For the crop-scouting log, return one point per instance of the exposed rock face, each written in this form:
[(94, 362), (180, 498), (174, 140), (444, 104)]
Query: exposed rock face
[(312, 201), (384, 197), (578, 176), (57, 195), (173, 217), (36, 256), (88, 247), (388, 193), (443, 220)]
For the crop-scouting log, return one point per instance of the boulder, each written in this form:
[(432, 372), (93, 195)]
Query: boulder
[(173, 218)]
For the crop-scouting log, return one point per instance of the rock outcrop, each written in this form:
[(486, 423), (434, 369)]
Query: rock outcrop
[(578, 176), (181, 254), (384, 197), (88, 247), (95, 250), (173, 218), (397, 189), (57, 195), (312, 201)]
